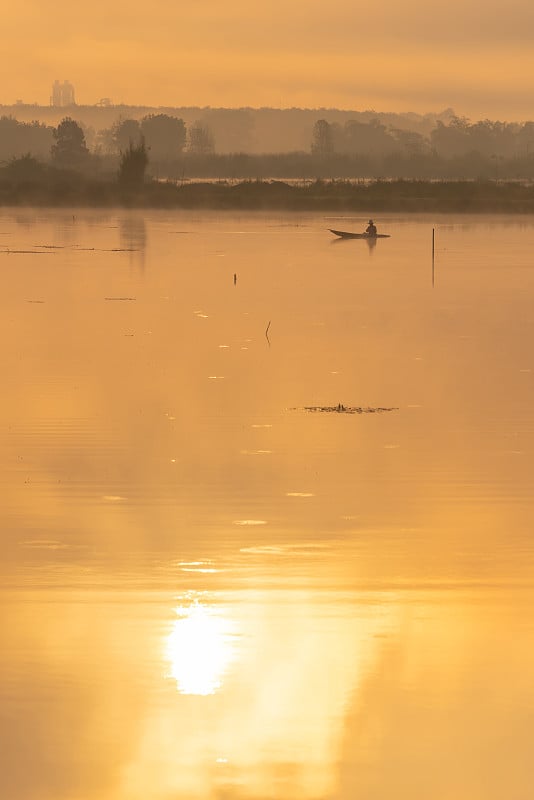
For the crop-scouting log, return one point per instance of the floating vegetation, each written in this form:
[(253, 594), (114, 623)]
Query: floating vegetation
[(102, 249), (341, 409), (10, 252)]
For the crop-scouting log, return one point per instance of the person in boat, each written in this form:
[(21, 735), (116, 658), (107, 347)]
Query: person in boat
[(371, 228)]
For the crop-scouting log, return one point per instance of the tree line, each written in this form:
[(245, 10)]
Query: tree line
[(70, 143), (356, 149), (459, 137)]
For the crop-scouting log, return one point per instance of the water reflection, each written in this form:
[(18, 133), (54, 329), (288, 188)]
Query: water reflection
[(200, 649), (370, 242), (334, 603), (133, 237), (264, 681), (297, 694), (86, 230)]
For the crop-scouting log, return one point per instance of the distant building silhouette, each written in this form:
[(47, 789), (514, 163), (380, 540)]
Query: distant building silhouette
[(62, 94)]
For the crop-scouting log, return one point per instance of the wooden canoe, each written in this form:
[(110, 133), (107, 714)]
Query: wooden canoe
[(347, 235)]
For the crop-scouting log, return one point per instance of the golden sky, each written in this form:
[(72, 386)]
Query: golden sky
[(476, 57)]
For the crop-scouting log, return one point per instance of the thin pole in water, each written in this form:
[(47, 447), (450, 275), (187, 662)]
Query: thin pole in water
[(433, 251)]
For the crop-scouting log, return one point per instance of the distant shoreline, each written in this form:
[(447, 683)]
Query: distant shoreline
[(405, 196)]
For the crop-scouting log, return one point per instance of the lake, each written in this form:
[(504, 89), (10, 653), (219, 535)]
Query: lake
[(212, 588)]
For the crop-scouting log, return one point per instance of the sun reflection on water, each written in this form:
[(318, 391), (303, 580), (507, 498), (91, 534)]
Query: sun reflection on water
[(199, 649)]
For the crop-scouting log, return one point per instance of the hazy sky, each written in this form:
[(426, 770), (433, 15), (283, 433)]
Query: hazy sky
[(474, 56)]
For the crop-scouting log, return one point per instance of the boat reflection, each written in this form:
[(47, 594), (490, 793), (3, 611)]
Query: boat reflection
[(370, 241)]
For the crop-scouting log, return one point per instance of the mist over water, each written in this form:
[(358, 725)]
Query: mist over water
[(209, 590)]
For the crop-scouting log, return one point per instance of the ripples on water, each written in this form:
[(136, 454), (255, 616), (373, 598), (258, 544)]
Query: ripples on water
[(209, 592)]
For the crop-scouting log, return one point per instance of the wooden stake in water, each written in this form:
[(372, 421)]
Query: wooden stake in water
[(433, 251)]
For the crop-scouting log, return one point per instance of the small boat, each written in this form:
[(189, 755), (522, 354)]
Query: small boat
[(347, 235)]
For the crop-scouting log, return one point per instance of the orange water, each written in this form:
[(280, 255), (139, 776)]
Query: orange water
[(210, 592)]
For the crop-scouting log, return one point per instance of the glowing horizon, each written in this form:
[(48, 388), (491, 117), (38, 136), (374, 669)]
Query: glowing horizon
[(284, 56)]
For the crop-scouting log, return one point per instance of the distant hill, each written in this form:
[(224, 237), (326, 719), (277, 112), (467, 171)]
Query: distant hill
[(246, 130)]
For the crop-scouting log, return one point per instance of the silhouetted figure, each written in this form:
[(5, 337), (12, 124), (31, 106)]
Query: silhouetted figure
[(371, 228)]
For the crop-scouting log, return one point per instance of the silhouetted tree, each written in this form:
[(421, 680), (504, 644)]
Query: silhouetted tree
[(499, 138), (368, 137), (90, 136), (164, 135), (486, 138), (322, 141), (133, 164), (69, 149), (452, 139), (18, 138), (201, 141), (409, 142), (24, 168), (125, 131)]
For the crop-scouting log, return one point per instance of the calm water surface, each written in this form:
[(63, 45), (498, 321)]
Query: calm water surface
[(209, 592)]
